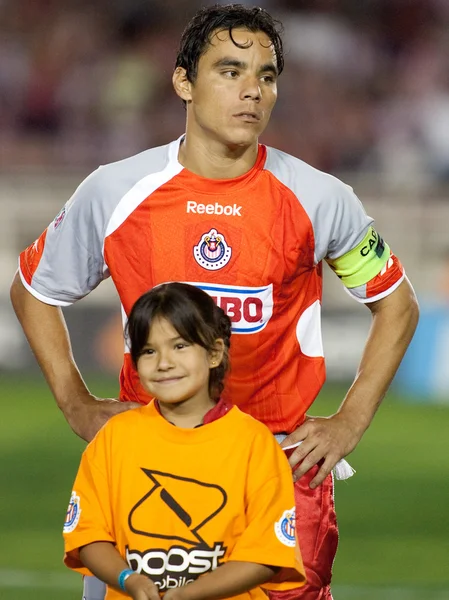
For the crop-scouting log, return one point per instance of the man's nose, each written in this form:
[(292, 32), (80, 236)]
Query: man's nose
[(251, 89)]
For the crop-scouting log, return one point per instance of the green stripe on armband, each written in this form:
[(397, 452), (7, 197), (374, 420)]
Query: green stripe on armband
[(362, 263)]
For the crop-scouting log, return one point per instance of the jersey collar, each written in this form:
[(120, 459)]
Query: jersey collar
[(205, 185)]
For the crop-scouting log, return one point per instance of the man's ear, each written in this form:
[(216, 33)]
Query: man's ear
[(182, 85)]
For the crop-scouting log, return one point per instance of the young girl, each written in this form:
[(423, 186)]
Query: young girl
[(187, 496)]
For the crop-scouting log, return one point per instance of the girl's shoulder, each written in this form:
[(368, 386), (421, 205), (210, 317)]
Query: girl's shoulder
[(250, 425)]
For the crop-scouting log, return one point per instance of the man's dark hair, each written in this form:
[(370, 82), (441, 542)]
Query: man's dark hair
[(198, 33), (193, 314)]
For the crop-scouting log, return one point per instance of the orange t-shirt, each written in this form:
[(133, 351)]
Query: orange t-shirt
[(178, 503)]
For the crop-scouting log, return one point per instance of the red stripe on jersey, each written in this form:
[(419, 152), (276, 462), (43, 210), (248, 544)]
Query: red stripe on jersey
[(30, 258), (389, 275)]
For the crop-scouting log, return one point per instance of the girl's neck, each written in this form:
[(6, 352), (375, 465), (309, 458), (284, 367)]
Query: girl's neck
[(183, 414)]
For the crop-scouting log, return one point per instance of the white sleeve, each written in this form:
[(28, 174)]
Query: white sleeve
[(67, 262)]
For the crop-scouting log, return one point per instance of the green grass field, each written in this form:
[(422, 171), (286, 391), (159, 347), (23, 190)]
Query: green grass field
[(393, 515)]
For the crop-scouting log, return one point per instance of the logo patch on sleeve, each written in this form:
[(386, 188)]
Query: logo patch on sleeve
[(285, 528), (59, 218), (73, 514)]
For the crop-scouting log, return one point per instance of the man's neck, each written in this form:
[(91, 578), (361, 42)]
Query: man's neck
[(214, 160)]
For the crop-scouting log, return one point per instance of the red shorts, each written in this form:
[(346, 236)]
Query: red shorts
[(316, 525)]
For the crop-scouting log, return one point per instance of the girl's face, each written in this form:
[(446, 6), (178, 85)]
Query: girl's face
[(173, 370)]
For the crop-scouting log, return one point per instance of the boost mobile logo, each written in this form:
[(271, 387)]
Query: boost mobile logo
[(249, 308), (175, 567), (183, 506)]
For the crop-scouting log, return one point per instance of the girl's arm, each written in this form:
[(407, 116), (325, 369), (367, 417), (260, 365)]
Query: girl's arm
[(104, 561), (230, 579)]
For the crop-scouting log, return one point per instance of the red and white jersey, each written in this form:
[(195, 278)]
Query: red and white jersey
[(255, 243)]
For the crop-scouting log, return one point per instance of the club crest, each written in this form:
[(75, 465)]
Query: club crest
[(285, 528), (212, 252), (73, 513), (59, 218)]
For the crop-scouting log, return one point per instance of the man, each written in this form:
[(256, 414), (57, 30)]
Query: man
[(250, 225)]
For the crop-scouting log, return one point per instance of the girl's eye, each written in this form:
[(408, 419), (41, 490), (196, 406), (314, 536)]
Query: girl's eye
[(148, 351), (181, 345)]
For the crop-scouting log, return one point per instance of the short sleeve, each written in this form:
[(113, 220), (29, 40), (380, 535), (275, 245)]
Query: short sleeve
[(89, 515), (66, 262), (337, 217), (357, 253), (341, 222), (270, 536)]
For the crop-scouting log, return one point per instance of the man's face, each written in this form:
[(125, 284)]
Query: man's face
[(235, 89)]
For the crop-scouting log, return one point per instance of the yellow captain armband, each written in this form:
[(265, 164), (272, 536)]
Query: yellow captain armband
[(362, 263)]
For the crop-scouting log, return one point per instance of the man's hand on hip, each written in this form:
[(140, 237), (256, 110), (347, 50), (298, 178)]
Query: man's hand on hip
[(89, 414), (326, 439)]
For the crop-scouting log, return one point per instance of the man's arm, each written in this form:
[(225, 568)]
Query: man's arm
[(46, 331), (395, 318)]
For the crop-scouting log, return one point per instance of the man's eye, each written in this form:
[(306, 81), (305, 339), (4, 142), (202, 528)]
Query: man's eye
[(231, 74), (268, 79)]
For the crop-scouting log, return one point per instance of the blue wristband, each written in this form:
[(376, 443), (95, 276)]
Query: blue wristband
[(123, 577)]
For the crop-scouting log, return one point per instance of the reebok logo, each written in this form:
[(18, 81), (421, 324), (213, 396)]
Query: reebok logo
[(231, 210)]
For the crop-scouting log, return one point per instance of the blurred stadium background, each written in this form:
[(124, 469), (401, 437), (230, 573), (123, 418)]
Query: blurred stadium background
[(365, 96)]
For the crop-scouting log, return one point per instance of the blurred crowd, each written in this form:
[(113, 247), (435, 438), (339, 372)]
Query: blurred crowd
[(365, 88)]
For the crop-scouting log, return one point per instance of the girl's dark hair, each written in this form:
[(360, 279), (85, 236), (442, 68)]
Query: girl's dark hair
[(198, 33), (193, 314)]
